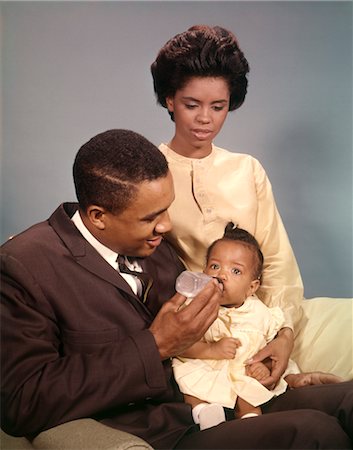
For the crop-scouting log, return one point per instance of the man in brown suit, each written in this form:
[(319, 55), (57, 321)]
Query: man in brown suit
[(82, 338)]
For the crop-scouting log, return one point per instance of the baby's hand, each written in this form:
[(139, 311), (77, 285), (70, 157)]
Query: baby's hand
[(225, 348), (258, 371)]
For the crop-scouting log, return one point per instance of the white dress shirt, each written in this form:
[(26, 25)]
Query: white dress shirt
[(109, 255)]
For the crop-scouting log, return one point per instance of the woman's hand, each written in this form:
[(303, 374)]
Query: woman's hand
[(278, 352), (258, 370)]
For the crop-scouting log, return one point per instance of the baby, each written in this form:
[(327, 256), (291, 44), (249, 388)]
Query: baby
[(213, 373)]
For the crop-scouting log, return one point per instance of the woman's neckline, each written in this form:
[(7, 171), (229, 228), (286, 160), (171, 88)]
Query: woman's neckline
[(195, 155)]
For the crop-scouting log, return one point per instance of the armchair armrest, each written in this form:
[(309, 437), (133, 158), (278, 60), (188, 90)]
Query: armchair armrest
[(85, 434), (82, 434), (8, 442)]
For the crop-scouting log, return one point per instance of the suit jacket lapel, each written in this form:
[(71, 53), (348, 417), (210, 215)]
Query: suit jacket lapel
[(88, 257)]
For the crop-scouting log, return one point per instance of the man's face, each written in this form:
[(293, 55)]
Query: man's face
[(138, 230)]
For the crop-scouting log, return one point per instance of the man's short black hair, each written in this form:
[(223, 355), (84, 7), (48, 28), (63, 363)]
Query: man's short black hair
[(108, 168)]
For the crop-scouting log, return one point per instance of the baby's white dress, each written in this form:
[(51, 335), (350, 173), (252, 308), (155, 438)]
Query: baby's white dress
[(222, 381)]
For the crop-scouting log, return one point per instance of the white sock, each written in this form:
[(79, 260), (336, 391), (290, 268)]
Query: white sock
[(196, 411), (208, 415), (245, 416)]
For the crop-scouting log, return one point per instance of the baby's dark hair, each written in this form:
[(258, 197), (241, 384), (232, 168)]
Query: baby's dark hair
[(201, 51), (233, 233)]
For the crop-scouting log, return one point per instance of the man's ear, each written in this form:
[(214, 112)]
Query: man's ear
[(96, 216), (255, 284)]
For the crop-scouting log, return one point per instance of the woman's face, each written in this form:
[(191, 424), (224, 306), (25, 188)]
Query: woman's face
[(200, 109)]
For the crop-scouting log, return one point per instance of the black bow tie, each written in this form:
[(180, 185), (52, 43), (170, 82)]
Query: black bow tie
[(145, 279)]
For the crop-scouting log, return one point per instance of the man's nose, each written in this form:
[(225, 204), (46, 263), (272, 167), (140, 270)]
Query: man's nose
[(164, 225)]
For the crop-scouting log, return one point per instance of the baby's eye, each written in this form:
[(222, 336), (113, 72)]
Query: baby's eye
[(214, 266), (236, 271)]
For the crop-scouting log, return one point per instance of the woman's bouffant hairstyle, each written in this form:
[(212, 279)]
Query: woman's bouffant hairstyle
[(201, 51), (233, 233), (109, 167)]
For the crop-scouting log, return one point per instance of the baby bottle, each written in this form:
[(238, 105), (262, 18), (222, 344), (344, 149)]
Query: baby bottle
[(191, 283)]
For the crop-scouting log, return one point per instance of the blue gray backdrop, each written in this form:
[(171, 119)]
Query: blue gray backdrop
[(71, 70)]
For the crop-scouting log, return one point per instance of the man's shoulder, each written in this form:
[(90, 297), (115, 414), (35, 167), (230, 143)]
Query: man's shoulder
[(27, 252), (35, 238), (28, 238)]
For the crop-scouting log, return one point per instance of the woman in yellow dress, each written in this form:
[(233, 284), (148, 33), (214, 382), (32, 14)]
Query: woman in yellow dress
[(199, 76)]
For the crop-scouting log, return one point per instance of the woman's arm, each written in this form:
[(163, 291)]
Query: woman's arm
[(281, 283), (278, 352)]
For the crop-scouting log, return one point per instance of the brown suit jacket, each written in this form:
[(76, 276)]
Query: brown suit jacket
[(75, 339)]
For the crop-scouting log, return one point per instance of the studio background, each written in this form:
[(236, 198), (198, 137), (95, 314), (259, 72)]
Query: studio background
[(73, 69)]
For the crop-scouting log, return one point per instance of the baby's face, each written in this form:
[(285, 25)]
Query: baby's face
[(232, 263)]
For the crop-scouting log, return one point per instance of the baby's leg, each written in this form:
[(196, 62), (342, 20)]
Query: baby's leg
[(206, 415), (192, 401), (243, 409)]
